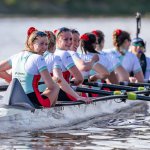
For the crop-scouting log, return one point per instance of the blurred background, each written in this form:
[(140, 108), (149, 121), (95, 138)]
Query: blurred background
[(16, 16), (70, 8)]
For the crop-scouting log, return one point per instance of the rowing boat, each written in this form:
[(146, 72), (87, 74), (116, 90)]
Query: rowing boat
[(21, 117)]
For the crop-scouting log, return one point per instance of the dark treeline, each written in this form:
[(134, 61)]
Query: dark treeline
[(74, 7)]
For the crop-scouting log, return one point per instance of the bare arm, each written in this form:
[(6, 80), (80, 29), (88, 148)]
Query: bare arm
[(50, 84), (63, 84), (112, 78), (86, 66), (121, 74), (4, 66), (139, 76), (78, 78), (101, 70)]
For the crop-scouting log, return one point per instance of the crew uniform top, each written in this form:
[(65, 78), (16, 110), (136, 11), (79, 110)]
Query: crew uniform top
[(52, 62), (114, 61), (103, 60), (87, 57), (129, 61), (26, 66), (67, 62)]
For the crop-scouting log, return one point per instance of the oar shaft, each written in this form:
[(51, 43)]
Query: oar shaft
[(135, 84), (88, 90), (111, 86)]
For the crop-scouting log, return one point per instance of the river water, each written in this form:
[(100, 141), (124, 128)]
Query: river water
[(123, 130)]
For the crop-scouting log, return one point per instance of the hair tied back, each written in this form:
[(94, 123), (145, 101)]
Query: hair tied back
[(84, 37), (95, 32), (31, 30), (118, 32), (48, 34)]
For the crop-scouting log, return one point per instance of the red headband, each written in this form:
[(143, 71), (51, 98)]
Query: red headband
[(55, 31), (84, 37), (48, 34), (95, 33), (30, 30), (118, 32)]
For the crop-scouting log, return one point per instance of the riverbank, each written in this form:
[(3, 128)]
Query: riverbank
[(71, 8)]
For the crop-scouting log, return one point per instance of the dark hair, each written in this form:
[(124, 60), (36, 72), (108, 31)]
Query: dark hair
[(119, 36), (74, 31), (60, 30), (87, 40), (99, 34)]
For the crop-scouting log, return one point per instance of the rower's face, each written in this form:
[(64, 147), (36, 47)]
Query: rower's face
[(40, 45), (75, 41), (64, 41), (137, 49)]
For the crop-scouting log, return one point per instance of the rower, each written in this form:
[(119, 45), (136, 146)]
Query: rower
[(63, 44), (88, 45), (104, 59), (138, 47), (29, 65), (80, 63), (54, 65), (121, 42)]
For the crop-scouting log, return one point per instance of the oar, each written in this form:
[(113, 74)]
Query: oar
[(135, 84), (67, 103), (128, 95), (113, 86)]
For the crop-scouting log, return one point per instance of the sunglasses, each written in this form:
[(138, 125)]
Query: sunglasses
[(141, 44), (39, 33)]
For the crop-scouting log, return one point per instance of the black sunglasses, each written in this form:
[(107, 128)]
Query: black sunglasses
[(40, 33)]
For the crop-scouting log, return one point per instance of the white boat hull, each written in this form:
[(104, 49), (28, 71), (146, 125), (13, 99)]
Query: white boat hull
[(17, 120)]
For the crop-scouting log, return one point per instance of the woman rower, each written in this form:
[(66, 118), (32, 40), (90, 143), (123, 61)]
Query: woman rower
[(81, 64), (138, 47), (54, 65), (29, 65), (104, 59), (63, 44), (121, 42), (88, 44)]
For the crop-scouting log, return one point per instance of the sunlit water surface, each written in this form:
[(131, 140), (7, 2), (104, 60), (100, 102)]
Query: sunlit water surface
[(125, 129)]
